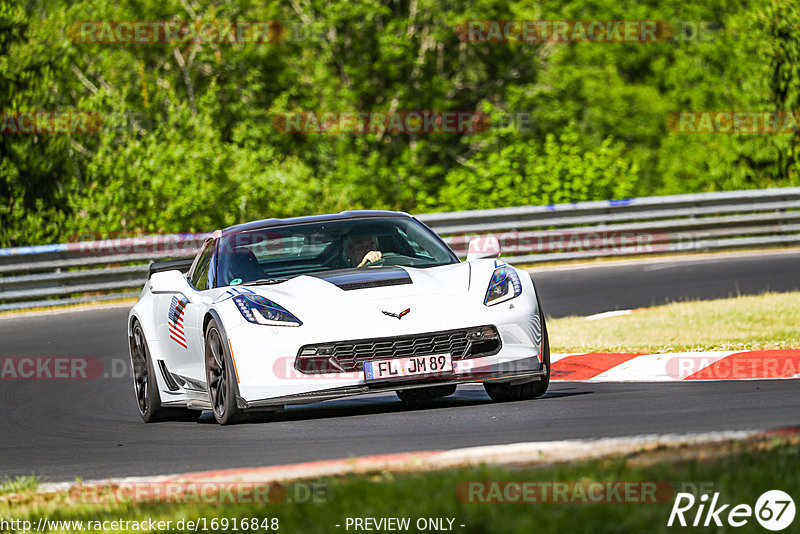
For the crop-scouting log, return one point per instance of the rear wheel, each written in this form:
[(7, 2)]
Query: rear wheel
[(220, 377), (420, 395), (504, 392), (145, 384)]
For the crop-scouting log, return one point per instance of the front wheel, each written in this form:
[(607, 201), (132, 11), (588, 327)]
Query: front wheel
[(504, 392), (145, 384), (220, 377)]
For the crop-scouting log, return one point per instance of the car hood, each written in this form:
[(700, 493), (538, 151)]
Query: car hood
[(373, 300), (365, 284), (348, 298)]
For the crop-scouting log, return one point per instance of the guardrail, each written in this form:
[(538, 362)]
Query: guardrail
[(109, 269)]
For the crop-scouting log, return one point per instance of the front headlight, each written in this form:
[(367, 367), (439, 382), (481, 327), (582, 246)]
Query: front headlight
[(503, 286), (260, 310)]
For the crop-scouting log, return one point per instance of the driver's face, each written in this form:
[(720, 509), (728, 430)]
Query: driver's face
[(357, 247)]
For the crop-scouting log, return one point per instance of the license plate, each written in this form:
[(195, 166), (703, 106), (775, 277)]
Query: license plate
[(433, 364)]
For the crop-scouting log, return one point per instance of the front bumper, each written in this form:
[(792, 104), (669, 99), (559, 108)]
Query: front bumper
[(265, 356), (283, 384), (349, 391)]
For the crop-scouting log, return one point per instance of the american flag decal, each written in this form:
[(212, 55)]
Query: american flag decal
[(175, 321)]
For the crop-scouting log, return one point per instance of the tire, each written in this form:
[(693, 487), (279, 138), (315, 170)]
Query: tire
[(505, 392), (421, 395), (220, 377), (145, 384)]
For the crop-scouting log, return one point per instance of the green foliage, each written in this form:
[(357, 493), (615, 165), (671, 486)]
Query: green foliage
[(18, 485), (199, 149), (510, 172), (781, 52)]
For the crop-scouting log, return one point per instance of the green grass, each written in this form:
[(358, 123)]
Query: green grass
[(740, 471), (17, 485), (762, 322)]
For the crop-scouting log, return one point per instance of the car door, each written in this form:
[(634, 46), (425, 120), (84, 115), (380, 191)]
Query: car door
[(184, 315)]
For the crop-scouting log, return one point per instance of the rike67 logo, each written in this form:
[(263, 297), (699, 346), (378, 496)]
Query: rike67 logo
[(774, 510)]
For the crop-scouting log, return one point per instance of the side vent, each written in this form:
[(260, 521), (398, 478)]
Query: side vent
[(171, 384)]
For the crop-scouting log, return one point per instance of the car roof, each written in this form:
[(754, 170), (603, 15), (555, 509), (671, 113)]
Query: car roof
[(342, 215)]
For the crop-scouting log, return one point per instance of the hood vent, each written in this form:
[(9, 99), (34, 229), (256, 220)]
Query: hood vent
[(366, 277)]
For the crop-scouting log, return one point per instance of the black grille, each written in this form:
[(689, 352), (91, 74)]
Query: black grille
[(349, 356)]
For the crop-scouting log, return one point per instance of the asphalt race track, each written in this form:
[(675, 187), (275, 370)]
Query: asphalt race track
[(607, 287), (62, 429)]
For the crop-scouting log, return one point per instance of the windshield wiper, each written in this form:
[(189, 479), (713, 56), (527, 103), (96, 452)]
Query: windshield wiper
[(265, 281)]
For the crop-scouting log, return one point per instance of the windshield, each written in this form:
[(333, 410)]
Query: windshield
[(272, 255)]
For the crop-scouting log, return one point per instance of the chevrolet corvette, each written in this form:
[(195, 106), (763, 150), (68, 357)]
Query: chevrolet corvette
[(292, 311)]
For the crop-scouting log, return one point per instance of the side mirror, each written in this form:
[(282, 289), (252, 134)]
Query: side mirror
[(169, 282), (484, 246)]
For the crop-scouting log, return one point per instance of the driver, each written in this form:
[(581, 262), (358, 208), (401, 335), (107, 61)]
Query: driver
[(361, 250)]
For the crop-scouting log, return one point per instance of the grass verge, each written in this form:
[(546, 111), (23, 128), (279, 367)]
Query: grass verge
[(18, 485), (761, 322), (739, 470)]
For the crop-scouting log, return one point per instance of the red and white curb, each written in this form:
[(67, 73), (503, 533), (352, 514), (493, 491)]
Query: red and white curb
[(669, 367), (545, 452)]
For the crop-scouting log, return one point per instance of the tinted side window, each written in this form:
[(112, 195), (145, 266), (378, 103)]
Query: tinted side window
[(200, 274)]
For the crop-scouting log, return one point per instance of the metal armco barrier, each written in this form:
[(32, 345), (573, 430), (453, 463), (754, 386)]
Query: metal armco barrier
[(98, 270)]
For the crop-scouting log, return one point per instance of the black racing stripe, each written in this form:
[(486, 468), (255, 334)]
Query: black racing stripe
[(367, 277)]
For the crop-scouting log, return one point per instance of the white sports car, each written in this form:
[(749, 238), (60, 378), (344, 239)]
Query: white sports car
[(292, 311)]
